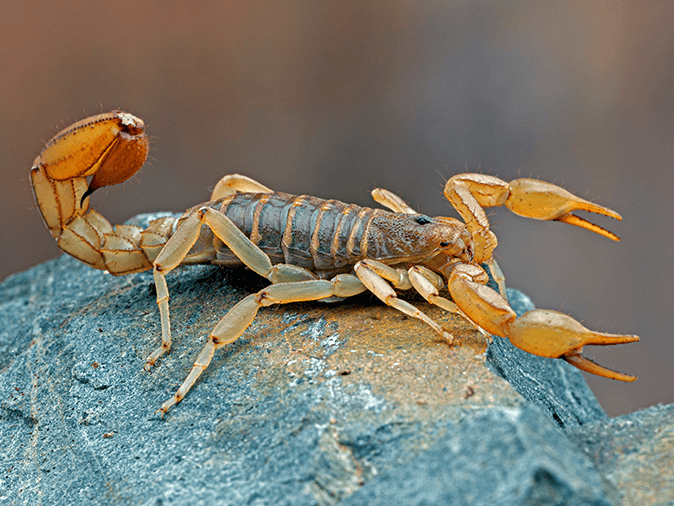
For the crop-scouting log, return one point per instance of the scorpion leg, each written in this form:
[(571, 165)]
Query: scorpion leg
[(428, 284), (179, 245), (236, 183), (375, 275), (391, 201), (540, 332), (239, 318), (291, 284), (498, 276)]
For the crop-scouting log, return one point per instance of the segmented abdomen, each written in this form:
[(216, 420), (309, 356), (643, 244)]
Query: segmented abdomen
[(317, 234)]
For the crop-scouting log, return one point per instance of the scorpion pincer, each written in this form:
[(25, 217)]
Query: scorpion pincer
[(310, 248)]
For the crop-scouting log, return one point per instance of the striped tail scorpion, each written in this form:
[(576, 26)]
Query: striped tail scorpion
[(309, 248)]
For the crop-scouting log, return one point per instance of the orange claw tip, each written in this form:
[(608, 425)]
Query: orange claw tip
[(572, 219), (585, 205), (603, 339), (587, 365), (545, 201)]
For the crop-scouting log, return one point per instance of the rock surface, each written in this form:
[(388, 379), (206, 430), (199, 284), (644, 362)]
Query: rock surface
[(316, 404), (634, 452)]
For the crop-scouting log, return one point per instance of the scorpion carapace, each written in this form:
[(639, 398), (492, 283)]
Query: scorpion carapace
[(310, 248)]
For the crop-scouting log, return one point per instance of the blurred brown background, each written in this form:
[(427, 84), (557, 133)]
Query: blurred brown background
[(333, 98)]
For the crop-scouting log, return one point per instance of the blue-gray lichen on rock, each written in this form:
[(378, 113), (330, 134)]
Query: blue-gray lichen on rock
[(316, 404)]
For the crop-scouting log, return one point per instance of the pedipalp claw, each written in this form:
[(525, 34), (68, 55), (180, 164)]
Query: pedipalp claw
[(548, 333), (587, 365), (545, 201), (572, 219)]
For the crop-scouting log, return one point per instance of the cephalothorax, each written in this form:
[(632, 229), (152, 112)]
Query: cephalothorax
[(309, 248)]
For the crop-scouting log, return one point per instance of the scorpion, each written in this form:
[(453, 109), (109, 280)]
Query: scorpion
[(310, 248)]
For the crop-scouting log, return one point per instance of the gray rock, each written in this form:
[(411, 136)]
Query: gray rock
[(498, 457), (314, 404), (635, 453)]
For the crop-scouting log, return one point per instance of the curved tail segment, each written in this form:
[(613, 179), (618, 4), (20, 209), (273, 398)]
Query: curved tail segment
[(109, 148)]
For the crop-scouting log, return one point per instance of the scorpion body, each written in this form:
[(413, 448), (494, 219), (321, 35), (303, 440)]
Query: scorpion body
[(310, 248), (326, 237)]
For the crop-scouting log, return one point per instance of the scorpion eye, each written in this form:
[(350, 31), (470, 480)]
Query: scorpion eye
[(444, 244), (422, 220)]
